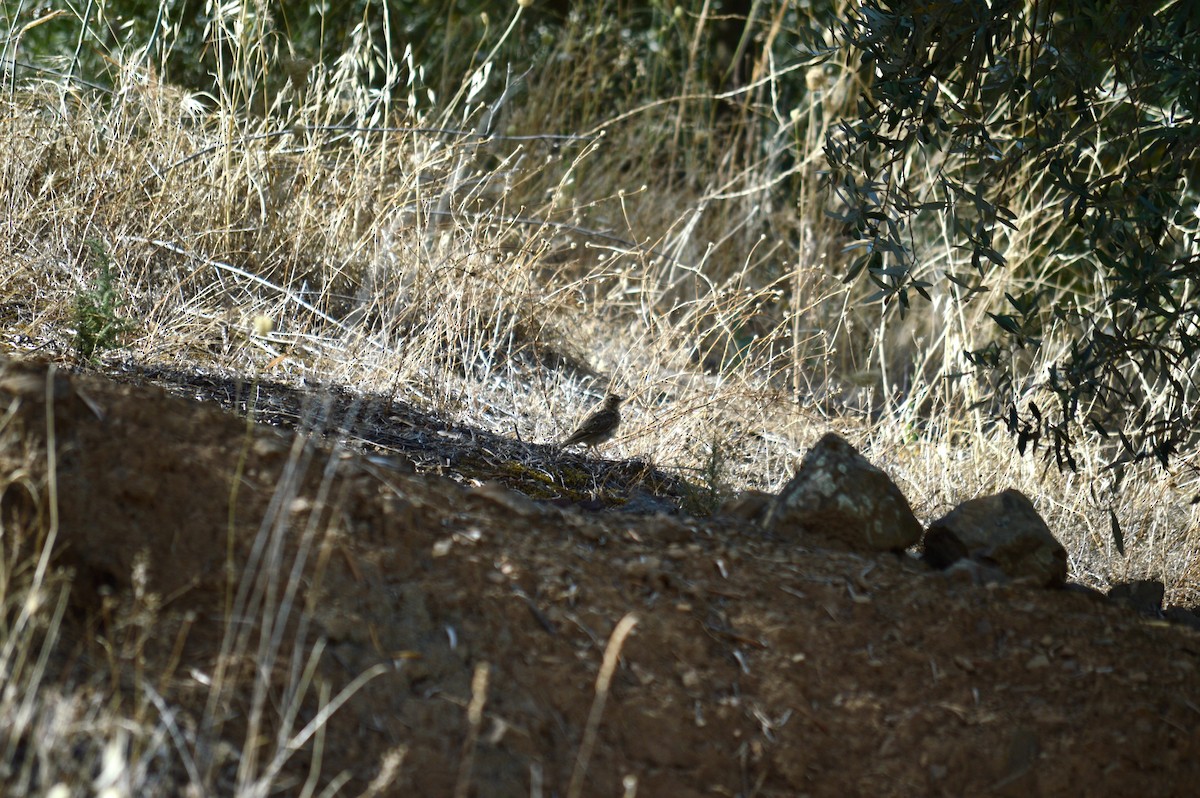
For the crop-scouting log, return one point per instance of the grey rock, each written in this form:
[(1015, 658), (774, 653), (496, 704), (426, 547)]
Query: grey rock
[(641, 502), (1003, 530), (838, 497)]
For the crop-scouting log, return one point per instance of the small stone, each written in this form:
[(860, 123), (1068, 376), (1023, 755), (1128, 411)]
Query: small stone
[(644, 567), (642, 502), (971, 572), (516, 503), (749, 505), (1182, 616), (270, 445), (676, 552), (1142, 595)]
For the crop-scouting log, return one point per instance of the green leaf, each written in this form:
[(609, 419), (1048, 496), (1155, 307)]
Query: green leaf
[(1117, 536)]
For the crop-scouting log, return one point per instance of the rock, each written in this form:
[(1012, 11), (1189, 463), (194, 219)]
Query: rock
[(1143, 595), (839, 497), (972, 572), (642, 502), (516, 503), (1003, 530), (748, 505), (664, 529), (1182, 616)]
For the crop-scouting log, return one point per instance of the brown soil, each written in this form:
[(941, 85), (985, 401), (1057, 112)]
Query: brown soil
[(757, 666)]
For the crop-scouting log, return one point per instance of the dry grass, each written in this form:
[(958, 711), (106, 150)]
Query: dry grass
[(509, 280), (674, 249)]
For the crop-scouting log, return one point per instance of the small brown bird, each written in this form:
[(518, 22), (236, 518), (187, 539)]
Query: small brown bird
[(599, 426)]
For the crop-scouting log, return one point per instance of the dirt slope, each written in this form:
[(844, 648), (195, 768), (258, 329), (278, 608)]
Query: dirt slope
[(756, 667)]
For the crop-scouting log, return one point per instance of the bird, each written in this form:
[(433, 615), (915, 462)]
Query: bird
[(599, 426)]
